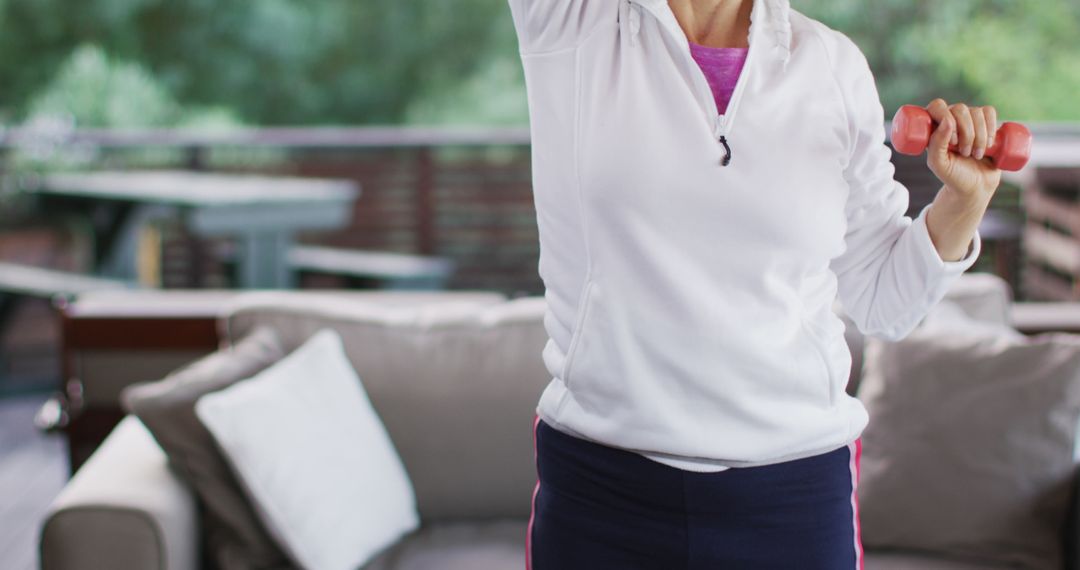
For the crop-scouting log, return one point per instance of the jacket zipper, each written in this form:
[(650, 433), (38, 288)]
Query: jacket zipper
[(721, 123)]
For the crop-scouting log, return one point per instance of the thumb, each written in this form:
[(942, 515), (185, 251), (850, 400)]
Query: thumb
[(938, 148)]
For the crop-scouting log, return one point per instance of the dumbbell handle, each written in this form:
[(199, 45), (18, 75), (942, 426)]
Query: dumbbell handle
[(912, 127)]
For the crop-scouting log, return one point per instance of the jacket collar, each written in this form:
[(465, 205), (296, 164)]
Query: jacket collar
[(770, 21)]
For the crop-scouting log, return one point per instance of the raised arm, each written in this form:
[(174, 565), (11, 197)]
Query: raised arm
[(890, 274)]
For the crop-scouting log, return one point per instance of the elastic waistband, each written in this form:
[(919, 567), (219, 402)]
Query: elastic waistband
[(607, 453)]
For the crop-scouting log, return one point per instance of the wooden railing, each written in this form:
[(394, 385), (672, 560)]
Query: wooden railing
[(459, 192)]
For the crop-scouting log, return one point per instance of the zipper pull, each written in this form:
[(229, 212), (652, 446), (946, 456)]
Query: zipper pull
[(727, 151), (718, 130)]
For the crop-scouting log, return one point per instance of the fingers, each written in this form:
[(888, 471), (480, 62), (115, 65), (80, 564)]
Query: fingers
[(939, 112), (978, 119), (965, 128), (938, 148), (972, 130)]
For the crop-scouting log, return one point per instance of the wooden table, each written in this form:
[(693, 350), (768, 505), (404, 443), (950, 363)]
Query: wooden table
[(263, 212), (111, 339)]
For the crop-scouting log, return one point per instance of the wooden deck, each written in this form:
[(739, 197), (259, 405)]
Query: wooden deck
[(33, 469)]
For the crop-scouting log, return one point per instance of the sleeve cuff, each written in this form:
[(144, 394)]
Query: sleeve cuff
[(930, 254)]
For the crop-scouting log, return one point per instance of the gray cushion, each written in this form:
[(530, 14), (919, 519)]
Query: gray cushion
[(488, 545), (982, 296), (246, 311), (456, 385), (234, 535), (969, 449), (880, 560), (500, 545)]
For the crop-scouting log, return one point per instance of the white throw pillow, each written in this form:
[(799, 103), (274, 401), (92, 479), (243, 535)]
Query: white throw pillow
[(313, 457)]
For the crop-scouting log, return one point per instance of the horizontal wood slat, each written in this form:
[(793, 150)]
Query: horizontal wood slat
[(1040, 206), (1059, 250), (1051, 198)]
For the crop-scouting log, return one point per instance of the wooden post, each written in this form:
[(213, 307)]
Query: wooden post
[(425, 201), (199, 251), (196, 157)]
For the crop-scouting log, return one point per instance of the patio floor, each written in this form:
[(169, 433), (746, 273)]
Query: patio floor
[(33, 469)]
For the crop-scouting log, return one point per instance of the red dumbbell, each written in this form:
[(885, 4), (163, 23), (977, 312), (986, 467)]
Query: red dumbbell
[(912, 126)]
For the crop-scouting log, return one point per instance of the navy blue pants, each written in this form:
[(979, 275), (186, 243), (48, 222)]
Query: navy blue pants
[(597, 508)]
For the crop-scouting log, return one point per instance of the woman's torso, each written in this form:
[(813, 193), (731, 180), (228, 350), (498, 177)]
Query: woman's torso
[(689, 303)]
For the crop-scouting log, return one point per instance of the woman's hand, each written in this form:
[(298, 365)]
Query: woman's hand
[(966, 173)]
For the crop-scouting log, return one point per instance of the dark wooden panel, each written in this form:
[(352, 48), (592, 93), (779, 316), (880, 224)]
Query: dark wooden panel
[(141, 333)]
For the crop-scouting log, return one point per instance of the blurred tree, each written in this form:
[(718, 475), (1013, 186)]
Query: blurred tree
[(1022, 56), (93, 91), (272, 61), (493, 94), (392, 61)]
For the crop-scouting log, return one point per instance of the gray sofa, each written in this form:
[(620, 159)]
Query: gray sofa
[(455, 378)]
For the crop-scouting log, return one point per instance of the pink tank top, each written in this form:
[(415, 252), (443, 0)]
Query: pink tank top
[(721, 67)]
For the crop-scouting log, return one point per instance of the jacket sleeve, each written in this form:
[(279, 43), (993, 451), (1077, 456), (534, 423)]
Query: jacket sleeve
[(553, 25), (889, 274)]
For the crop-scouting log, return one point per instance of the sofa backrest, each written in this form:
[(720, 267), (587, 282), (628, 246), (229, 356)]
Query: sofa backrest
[(983, 296), (454, 377)]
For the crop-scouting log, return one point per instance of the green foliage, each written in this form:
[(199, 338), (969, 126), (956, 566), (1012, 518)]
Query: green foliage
[(1034, 76), (1022, 56), (271, 61), (391, 61), (493, 94), (94, 91)]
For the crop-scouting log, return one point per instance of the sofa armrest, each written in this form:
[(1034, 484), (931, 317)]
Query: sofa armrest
[(124, 509)]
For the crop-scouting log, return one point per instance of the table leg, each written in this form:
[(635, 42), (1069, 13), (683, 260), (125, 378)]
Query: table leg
[(121, 245), (108, 221), (264, 261), (7, 311)]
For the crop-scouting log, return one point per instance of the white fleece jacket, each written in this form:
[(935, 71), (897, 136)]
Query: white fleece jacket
[(690, 302)]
